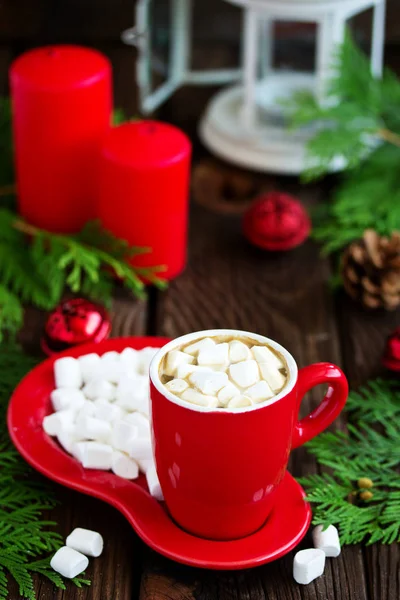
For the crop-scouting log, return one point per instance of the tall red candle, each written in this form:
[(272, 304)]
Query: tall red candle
[(143, 197), (61, 100)]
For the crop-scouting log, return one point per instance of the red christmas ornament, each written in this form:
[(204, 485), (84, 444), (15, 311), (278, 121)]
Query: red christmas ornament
[(391, 357), (75, 322), (276, 221)]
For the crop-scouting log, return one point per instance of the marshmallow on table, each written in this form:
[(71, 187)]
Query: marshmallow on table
[(63, 398), (91, 428), (239, 402), (63, 419), (140, 448), (259, 392), (245, 373), (327, 541), (99, 388), (89, 364), (176, 386), (238, 351), (175, 358), (67, 439), (153, 483), (68, 562), (67, 372), (122, 434), (217, 355), (308, 565), (131, 391), (195, 397), (262, 354), (90, 543), (145, 464), (209, 382), (110, 367), (95, 455), (227, 393), (124, 466), (204, 344), (87, 409)]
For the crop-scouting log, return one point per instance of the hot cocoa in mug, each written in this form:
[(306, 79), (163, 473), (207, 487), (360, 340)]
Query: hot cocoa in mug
[(224, 406)]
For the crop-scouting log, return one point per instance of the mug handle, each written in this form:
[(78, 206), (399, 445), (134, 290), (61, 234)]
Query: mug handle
[(330, 407)]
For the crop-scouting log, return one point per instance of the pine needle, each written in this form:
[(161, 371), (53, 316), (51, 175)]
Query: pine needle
[(364, 129), (25, 536), (361, 452)]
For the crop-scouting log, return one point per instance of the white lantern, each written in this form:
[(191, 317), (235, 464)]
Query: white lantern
[(245, 123)]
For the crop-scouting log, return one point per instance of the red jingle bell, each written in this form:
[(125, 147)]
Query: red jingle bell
[(74, 322), (276, 221), (391, 357)]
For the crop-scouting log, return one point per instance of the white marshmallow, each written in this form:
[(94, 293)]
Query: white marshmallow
[(87, 410), (63, 419), (96, 456), (122, 434), (146, 355), (238, 351), (272, 376), (308, 565), (259, 392), (89, 364), (90, 543), (175, 358), (131, 391), (262, 354), (139, 448), (153, 483), (140, 421), (91, 428), (245, 373), (239, 402), (145, 464), (184, 370), (217, 355), (68, 562), (106, 411), (63, 398), (129, 360), (78, 449), (110, 367), (327, 541), (67, 439), (227, 393), (124, 466), (204, 344), (99, 388), (195, 397), (67, 372), (176, 386), (209, 383)]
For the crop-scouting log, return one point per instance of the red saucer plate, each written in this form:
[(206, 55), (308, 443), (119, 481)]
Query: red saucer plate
[(30, 403)]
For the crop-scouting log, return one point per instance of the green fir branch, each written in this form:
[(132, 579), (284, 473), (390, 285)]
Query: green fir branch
[(25, 535), (360, 452)]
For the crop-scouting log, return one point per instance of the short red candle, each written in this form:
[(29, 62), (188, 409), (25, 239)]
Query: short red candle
[(144, 181), (61, 99)]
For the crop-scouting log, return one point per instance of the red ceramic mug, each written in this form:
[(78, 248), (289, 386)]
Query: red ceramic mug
[(219, 469)]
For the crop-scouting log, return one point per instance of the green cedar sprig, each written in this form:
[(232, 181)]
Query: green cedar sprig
[(27, 540), (361, 452), (37, 270), (364, 129)]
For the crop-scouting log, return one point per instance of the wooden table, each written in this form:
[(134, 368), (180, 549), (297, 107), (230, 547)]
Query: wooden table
[(228, 283)]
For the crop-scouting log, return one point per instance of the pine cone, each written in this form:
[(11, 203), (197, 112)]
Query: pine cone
[(371, 270)]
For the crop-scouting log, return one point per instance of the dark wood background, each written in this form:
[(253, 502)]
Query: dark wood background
[(227, 284)]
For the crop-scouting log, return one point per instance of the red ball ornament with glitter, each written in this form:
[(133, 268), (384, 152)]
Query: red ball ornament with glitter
[(74, 322), (276, 222), (391, 357)]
